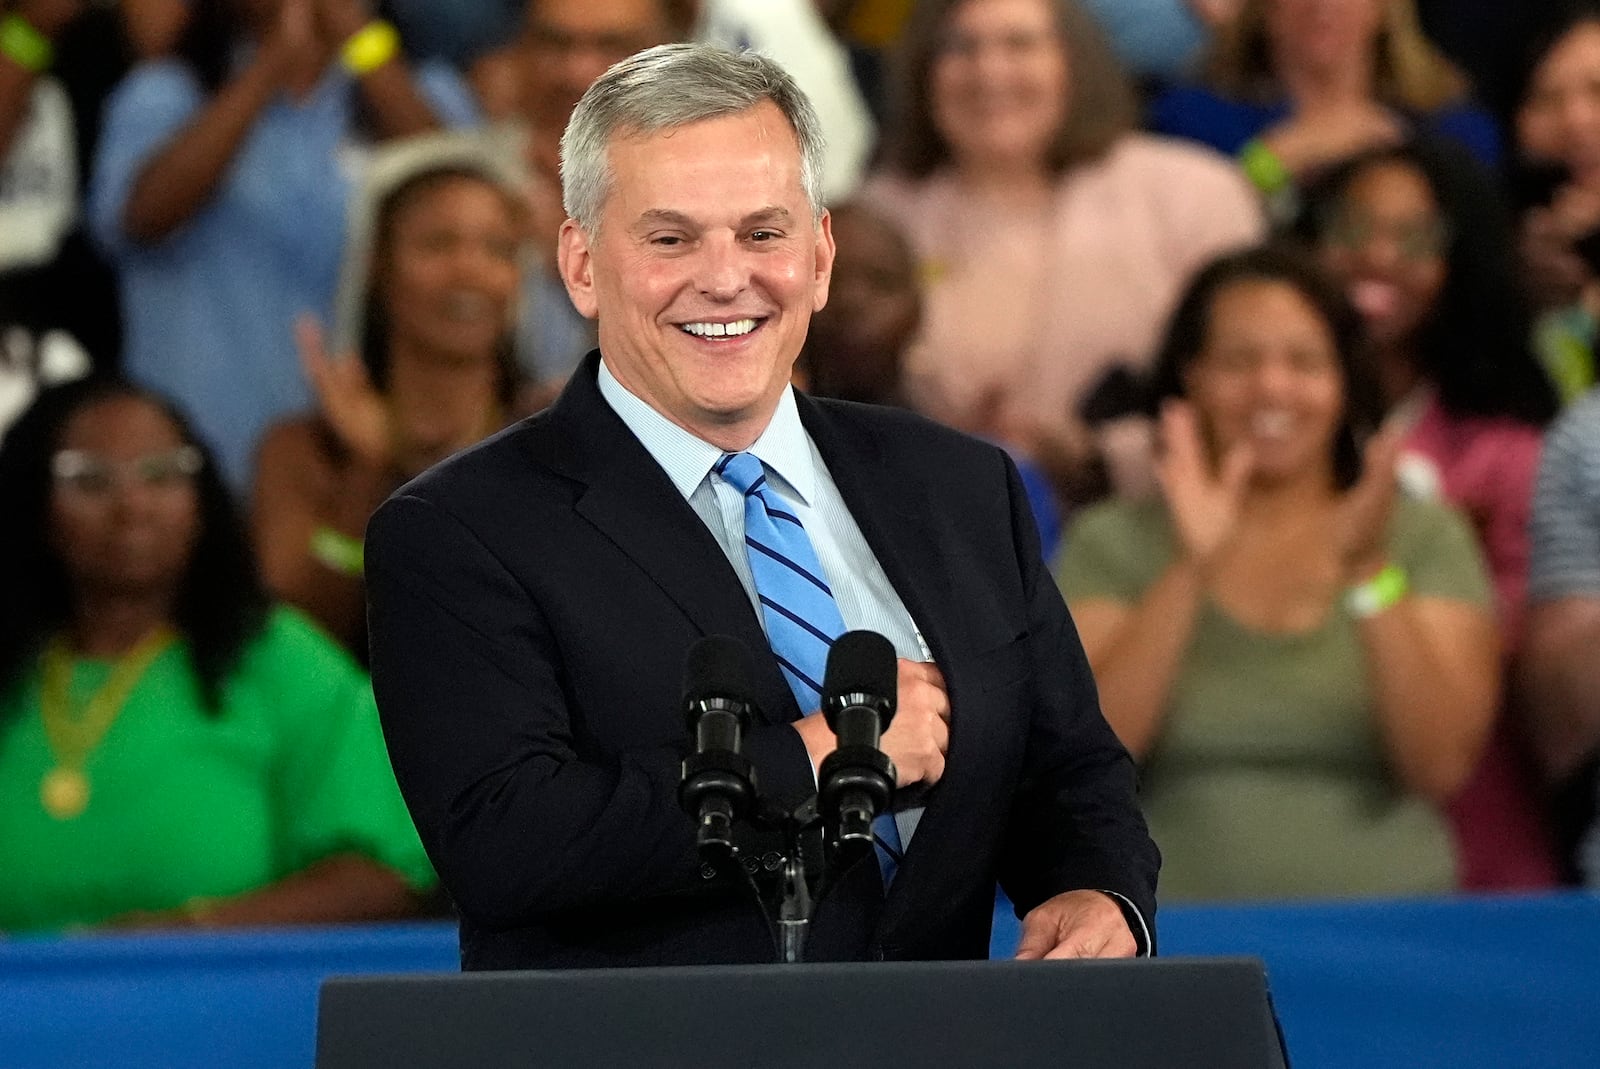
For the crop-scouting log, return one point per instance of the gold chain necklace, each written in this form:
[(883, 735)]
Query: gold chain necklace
[(73, 735)]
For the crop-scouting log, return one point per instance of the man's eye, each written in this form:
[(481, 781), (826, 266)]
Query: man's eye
[(667, 240), (764, 235)]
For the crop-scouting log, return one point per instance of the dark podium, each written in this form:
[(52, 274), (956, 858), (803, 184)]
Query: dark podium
[(1154, 1014)]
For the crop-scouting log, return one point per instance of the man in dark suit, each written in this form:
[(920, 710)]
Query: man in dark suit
[(532, 599)]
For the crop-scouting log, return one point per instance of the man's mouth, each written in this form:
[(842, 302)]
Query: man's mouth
[(737, 328)]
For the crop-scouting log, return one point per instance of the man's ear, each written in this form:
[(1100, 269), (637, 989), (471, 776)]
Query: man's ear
[(575, 261), (824, 261)]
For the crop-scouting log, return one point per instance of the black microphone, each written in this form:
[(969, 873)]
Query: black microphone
[(856, 781), (718, 784)]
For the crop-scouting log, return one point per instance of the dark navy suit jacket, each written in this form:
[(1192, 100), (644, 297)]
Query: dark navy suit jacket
[(531, 604)]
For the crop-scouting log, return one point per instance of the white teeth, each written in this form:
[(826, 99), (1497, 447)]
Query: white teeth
[(720, 330)]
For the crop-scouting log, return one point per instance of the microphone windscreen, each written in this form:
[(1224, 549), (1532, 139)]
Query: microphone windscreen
[(718, 666), (861, 662)]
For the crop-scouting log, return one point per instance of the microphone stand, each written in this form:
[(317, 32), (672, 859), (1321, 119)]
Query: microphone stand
[(794, 911)]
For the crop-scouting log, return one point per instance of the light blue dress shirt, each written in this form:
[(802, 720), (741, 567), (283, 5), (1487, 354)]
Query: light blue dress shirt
[(867, 601)]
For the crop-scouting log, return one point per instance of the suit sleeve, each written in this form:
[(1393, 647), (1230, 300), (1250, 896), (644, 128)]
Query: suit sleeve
[(468, 682), (1076, 822)]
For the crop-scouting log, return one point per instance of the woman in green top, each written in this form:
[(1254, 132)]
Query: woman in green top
[(1304, 663), (173, 750)]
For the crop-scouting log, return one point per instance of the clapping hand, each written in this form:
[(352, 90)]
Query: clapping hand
[(1361, 525), (1549, 235), (345, 394), (1204, 501)]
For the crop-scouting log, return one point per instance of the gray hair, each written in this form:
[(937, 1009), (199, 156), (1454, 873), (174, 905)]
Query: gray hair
[(669, 86)]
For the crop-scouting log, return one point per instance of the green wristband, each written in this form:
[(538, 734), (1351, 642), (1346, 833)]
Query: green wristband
[(341, 552), (1382, 591), (25, 45), (1262, 166)]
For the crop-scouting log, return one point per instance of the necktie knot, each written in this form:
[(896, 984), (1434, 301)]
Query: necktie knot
[(743, 471)]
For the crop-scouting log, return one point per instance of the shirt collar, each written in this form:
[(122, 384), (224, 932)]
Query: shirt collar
[(784, 447)]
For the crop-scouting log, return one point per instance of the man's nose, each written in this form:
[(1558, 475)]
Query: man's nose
[(722, 270)]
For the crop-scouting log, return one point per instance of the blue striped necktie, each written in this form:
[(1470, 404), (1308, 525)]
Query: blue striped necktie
[(796, 603)]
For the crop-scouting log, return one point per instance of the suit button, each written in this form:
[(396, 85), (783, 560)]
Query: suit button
[(708, 871), (772, 861), (750, 863)]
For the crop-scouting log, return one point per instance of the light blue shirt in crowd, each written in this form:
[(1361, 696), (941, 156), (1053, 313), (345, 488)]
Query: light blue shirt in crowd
[(209, 310), (867, 601)]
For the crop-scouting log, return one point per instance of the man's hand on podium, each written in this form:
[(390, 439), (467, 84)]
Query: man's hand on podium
[(1076, 924)]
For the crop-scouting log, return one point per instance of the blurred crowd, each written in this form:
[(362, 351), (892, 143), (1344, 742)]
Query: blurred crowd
[(1287, 311)]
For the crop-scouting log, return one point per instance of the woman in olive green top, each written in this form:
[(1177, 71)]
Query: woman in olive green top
[(1303, 663), (173, 750)]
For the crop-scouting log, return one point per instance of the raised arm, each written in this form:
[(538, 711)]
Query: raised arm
[(1433, 664), (370, 51), (1136, 648), (181, 178)]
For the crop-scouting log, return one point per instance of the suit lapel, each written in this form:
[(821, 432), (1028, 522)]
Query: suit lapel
[(894, 512), (629, 500)]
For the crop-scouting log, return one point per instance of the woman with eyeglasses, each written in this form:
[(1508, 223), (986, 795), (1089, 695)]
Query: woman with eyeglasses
[(174, 750), (1424, 251)]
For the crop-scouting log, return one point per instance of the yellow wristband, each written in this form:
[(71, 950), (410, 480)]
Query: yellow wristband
[(370, 47), (23, 44), (1263, 167), (1382, 591)]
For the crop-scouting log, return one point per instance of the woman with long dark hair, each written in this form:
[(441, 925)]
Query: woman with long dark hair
[(1417, 237), (1302, 660), (432, 276), (174, 751)]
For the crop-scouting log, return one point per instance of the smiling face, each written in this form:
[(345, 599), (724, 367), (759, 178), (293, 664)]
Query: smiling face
[(1269, 376), (998, 85), (448, 272), (1559, 120), (704, 270), (1386, 242)]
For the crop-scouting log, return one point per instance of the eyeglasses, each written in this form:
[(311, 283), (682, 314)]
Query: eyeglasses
[(1417, 240), (89, 475), (1014, 44)]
